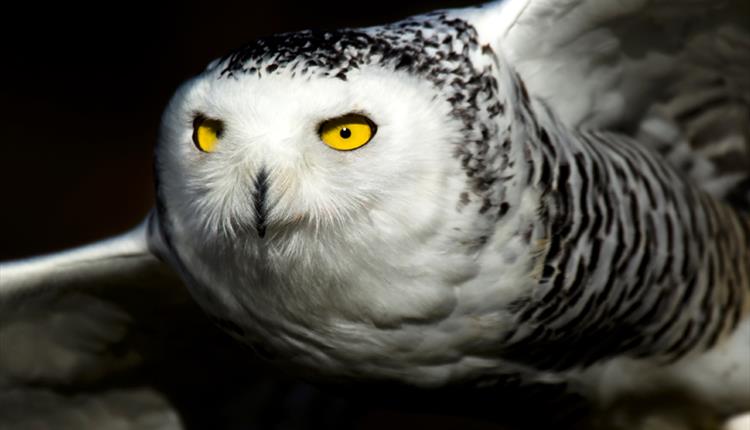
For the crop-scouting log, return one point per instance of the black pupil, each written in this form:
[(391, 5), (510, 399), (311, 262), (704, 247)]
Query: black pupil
[(345, 133)]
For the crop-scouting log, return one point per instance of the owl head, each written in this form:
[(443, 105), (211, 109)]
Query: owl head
[(320, 175), (351, 130)]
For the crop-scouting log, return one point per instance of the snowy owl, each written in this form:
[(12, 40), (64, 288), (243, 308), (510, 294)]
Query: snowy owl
[(527, 189)]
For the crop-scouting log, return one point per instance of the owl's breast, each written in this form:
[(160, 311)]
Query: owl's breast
[(421, 312)]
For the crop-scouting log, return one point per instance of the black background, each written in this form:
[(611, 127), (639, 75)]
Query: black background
[(84, 90)]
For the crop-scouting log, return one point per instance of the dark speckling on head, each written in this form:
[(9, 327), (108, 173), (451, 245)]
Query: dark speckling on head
[(434, 47)]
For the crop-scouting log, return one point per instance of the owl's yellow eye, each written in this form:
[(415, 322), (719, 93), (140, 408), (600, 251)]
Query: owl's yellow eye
[(347, 132), (206, 133)]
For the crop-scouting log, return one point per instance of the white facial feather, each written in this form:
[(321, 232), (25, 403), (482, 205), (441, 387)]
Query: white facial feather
[(268, 127)]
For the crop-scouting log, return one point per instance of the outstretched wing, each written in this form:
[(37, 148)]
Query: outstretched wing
[(63, 331), (675, 74), (129, 256), (104, 336)]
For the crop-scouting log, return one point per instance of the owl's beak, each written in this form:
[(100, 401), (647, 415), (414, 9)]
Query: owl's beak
[(259, 201)]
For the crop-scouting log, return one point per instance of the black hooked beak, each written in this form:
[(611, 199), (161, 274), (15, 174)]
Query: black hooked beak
[(259, 201)]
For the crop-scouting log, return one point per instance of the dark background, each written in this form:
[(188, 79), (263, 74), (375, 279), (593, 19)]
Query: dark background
[(84, 90)]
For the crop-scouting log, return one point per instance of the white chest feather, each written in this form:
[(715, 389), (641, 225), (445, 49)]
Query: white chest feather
[(386, 301)]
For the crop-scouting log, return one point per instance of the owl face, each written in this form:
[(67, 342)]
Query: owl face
[(258, 158), (328, 130)]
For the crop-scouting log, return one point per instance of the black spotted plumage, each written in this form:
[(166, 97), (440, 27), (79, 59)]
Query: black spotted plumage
[(433, 46), (651, 303)]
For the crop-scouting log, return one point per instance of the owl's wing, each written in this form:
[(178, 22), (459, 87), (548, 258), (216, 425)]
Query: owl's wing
[(129, 256), (66, 335), (675, 74), (59, 313), (105, 336)]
